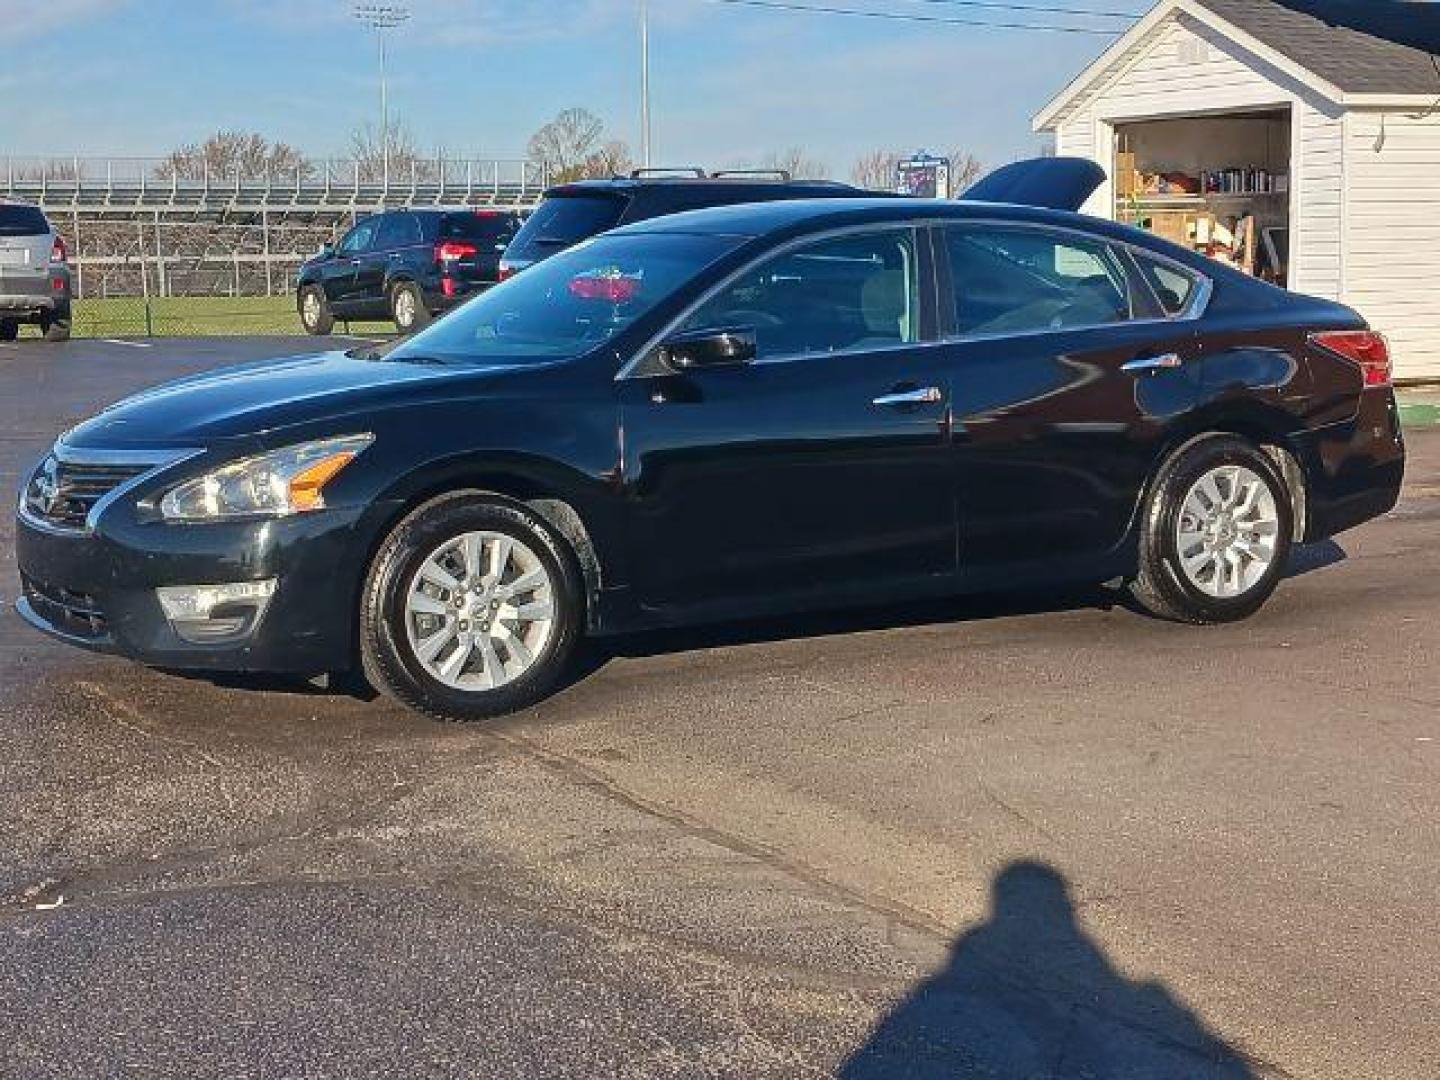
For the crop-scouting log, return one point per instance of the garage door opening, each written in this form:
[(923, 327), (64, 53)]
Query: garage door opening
[(1219, 184)]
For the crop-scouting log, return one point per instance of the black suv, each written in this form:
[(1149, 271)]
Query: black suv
[(577, 211), (404, 265)]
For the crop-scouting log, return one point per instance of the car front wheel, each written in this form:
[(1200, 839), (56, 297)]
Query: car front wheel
[(471, 609), (315, 314), (1216, 534)]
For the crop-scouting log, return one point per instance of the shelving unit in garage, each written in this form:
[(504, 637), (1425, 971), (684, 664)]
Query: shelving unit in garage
[(1218, 183)]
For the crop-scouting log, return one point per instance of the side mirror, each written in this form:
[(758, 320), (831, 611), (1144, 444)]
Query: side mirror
[(697, 349)]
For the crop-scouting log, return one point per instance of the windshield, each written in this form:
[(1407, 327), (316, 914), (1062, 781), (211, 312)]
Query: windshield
[(568, 305)]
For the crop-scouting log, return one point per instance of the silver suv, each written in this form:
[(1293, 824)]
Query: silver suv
[(34, 276)]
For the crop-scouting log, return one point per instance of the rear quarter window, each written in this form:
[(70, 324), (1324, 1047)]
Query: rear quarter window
[(1173, 287), (22, 221)]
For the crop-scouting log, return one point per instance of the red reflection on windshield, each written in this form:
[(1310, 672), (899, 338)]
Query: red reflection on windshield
[(611, 286)]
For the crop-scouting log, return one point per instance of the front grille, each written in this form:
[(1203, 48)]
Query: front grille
[(64, 492), (73, 612)]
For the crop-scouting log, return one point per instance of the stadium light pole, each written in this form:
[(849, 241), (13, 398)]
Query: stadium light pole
[(380, 18), (645, 83)]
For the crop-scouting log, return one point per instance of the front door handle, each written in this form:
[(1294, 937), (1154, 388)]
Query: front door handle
[(1163, 362), (921, 395)]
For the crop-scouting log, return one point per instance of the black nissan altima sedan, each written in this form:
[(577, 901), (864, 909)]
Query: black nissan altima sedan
[(721, 414)]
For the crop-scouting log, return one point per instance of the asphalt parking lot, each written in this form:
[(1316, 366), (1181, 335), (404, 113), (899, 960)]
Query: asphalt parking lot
[(1024, 836)]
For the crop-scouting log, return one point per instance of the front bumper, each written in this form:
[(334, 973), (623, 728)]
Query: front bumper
[(97, 588)]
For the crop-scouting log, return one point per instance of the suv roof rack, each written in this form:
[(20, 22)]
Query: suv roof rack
[(663, 170), (752, 174)]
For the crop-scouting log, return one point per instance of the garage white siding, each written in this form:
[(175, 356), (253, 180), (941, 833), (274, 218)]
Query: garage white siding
[(1392, 214), (1316, 205)]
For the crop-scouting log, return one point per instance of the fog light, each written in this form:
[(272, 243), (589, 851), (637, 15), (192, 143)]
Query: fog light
[(208, 613)]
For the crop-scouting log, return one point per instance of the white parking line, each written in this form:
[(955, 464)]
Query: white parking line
[(127, 344)]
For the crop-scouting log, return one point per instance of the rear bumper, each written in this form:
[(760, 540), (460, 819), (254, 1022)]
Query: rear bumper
[(97, 589), (1353, 471), (31, 304)]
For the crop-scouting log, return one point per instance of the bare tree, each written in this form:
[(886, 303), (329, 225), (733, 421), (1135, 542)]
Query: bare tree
[(230, 155), (797, 163), (612, 159), (877, 170), (566, 145), (405, 158), (965, 169)]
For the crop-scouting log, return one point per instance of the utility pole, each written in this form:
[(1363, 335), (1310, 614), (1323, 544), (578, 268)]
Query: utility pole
[(380, 18), (645, 83)]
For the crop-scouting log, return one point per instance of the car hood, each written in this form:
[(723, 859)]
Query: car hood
[(252, 399)]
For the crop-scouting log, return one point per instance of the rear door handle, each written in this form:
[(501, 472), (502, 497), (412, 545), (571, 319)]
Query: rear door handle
[(921, 395), (1163, 362)]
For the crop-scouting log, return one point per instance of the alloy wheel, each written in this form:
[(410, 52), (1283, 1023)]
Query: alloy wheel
[(1228, 532), (479, 611), (310, 309)]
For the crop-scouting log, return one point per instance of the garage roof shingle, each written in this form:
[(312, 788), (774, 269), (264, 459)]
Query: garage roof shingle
[(1358, 47)]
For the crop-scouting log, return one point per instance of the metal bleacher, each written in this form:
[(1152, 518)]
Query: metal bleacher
[(145, 187)]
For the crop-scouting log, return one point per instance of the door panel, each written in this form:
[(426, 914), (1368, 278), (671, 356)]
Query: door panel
[(338, 275), (755, 486), (1054, 440), (1066, 380)]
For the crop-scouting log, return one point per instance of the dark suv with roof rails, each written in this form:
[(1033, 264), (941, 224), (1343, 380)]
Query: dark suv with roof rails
[(577, 211), (406, 265)]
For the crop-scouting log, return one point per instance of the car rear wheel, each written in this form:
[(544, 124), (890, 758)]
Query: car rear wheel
[(55, 328), (315, 314), (407, 308), (9, 329), (1216, 533), (471, 609)]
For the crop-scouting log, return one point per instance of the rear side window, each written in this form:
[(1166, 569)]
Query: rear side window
[(850, 293), (1010, 281), (22, 221), (563, 221), (1173, 287), (397, 231), (485, 225)]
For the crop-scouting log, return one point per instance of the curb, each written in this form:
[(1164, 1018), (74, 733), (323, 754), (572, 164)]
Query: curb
[(1418, 408)]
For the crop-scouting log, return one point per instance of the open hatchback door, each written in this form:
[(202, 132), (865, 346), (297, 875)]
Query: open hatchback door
[(1053, 183)]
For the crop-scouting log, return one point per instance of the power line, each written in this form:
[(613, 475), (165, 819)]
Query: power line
[(816, 9), (1040, 9)]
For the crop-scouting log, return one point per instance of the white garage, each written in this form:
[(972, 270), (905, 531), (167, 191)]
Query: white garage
[(1305, 152)]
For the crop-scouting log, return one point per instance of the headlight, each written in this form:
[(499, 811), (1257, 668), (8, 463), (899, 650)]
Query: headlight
[(288, 481)]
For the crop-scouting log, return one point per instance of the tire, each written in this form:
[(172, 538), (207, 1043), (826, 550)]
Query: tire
[(9, 329), (494, 676), (1217, 565), (56, 328), (407, 308), (314, 309)]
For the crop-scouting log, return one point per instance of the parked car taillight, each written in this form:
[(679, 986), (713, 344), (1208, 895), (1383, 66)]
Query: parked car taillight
[(57, 251), (1365, 348), (454, 251)]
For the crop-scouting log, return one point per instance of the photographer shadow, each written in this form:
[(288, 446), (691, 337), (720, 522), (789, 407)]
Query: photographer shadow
[(1027, 995)]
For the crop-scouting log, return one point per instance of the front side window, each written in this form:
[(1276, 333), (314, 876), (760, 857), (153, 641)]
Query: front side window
[(1011, 280), (849, 293), (359, 238), (567, 305)]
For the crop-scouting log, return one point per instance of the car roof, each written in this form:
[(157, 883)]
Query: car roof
[(760, 219), (628, 185)]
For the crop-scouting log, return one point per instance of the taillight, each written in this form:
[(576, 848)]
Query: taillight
[(506, 272), (1365, 348), (454, 251), (57, 251)]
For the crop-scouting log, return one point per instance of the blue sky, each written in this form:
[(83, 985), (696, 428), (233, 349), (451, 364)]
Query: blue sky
[(729, 83)]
